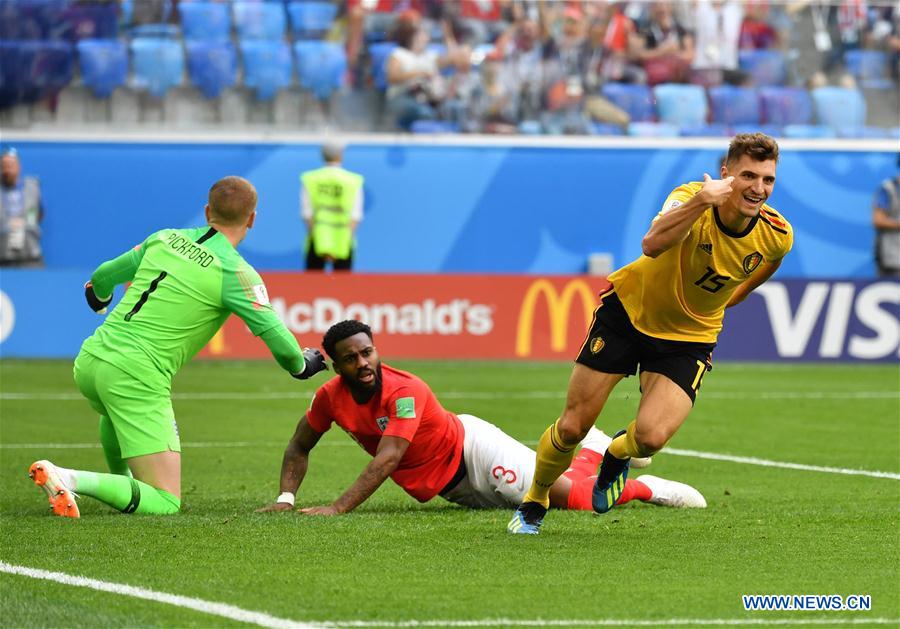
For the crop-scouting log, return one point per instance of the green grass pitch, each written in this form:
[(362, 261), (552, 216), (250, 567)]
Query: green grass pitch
[(768, 530)]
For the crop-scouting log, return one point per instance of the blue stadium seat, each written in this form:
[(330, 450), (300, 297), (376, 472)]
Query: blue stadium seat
[(45, 68), (734, 105), (531, 127), (259, 20), (321, 66), (11, 84), (713, 130), (311, 20), (158, 64), (839, 107), (104, 64), (869, 67), (653, 130), (637, 100), (159, 31), (32, 19), (379, 54), (774, 130), (604, 128), (766, 67), (267, 66), (212, 66), (809, 131), (206, 21), (864, 133), (679, 104), (434, 126), (786, 105)]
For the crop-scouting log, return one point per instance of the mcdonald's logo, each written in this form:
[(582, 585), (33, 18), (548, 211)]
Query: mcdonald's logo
[(559, 305)]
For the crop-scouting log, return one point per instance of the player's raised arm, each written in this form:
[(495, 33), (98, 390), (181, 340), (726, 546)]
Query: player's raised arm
[(387, 458), (98, 291), (674, 224), (294, 466)]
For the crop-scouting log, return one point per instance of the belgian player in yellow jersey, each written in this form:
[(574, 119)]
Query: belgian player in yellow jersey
[(711, 245)]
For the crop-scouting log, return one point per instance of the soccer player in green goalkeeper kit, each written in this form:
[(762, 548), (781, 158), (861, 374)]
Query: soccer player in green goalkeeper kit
[(184, 285)]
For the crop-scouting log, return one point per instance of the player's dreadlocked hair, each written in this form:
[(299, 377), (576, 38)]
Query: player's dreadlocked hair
[(759, 146), (342, 330)]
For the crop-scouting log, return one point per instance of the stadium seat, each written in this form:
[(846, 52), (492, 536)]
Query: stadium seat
[(259, 20), (267, 66), (158, 64), (46, 66), (321, 66), (713, 130), (786, 105), (653, 130), (311, 20), (11, 86), (604, 128), (531, 127), (159, 31), (766, 67), (679, 104), (104, 65), (734, 105), (637, 100), (205, 21), (774, 130), (839, 107), (379, 54), (869, 67), (808, 131), (212, 66), (434, 126), (864, 133), (32, 19)]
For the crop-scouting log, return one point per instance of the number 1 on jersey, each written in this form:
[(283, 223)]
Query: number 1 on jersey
[(145, 295)]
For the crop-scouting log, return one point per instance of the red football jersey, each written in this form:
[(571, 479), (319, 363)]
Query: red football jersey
[(405, 408)]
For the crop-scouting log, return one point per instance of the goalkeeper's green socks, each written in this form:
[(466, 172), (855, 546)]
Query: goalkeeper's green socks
[(111, 449), (128, 495)]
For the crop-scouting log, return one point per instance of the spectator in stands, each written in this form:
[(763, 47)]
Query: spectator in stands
[(598, 65), (331, 205), (521, 48), (621, 66), (757, 32), (663, 46), (563, 89), (717, 25), (886, 220), (21, 212), (494, 103), (416, 88)]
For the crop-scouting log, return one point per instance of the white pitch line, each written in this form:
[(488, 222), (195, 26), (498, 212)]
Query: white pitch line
[(601, 622), (261, 619), (750, 460), (490, 395), (206, 607), (713, 456)]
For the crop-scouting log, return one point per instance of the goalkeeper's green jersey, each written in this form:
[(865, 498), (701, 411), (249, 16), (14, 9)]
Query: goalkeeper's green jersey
[(185, 283)]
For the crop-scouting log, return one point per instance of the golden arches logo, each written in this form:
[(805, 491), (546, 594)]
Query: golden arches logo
[(559, 305)]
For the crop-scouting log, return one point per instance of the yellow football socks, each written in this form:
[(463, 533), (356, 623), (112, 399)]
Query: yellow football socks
[(553, 458), (625, 446)]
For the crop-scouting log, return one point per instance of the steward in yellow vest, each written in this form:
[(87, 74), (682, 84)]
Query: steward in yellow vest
[(331, 206)]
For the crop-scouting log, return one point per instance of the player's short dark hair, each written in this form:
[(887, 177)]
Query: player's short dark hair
[(231, 200), (343, 330), (759, 146)]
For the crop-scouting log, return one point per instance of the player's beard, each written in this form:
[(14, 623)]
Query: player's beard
[(365, 391)]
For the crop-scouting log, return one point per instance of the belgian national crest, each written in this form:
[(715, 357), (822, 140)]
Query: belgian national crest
[(597, 344), (751, 262)]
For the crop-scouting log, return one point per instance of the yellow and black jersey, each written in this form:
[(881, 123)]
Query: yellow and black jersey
[(681, 294)]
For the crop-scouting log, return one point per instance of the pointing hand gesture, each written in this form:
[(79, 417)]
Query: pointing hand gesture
[(715, 191)]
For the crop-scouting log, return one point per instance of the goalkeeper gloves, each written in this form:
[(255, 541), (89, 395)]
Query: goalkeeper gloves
[(97, 305), (314, 362)]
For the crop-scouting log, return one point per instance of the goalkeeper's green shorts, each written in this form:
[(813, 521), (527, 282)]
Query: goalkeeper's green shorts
[(141, 414)]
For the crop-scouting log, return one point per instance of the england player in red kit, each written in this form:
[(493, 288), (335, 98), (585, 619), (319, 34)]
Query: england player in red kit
[(429, 451)]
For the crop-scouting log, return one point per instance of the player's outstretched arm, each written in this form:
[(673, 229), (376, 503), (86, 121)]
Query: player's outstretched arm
[(674, 224), (757, 279), (294, 466), (387, 458), (99, 289)]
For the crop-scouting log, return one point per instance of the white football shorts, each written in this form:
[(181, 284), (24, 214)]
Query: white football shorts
[(499, 469)]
